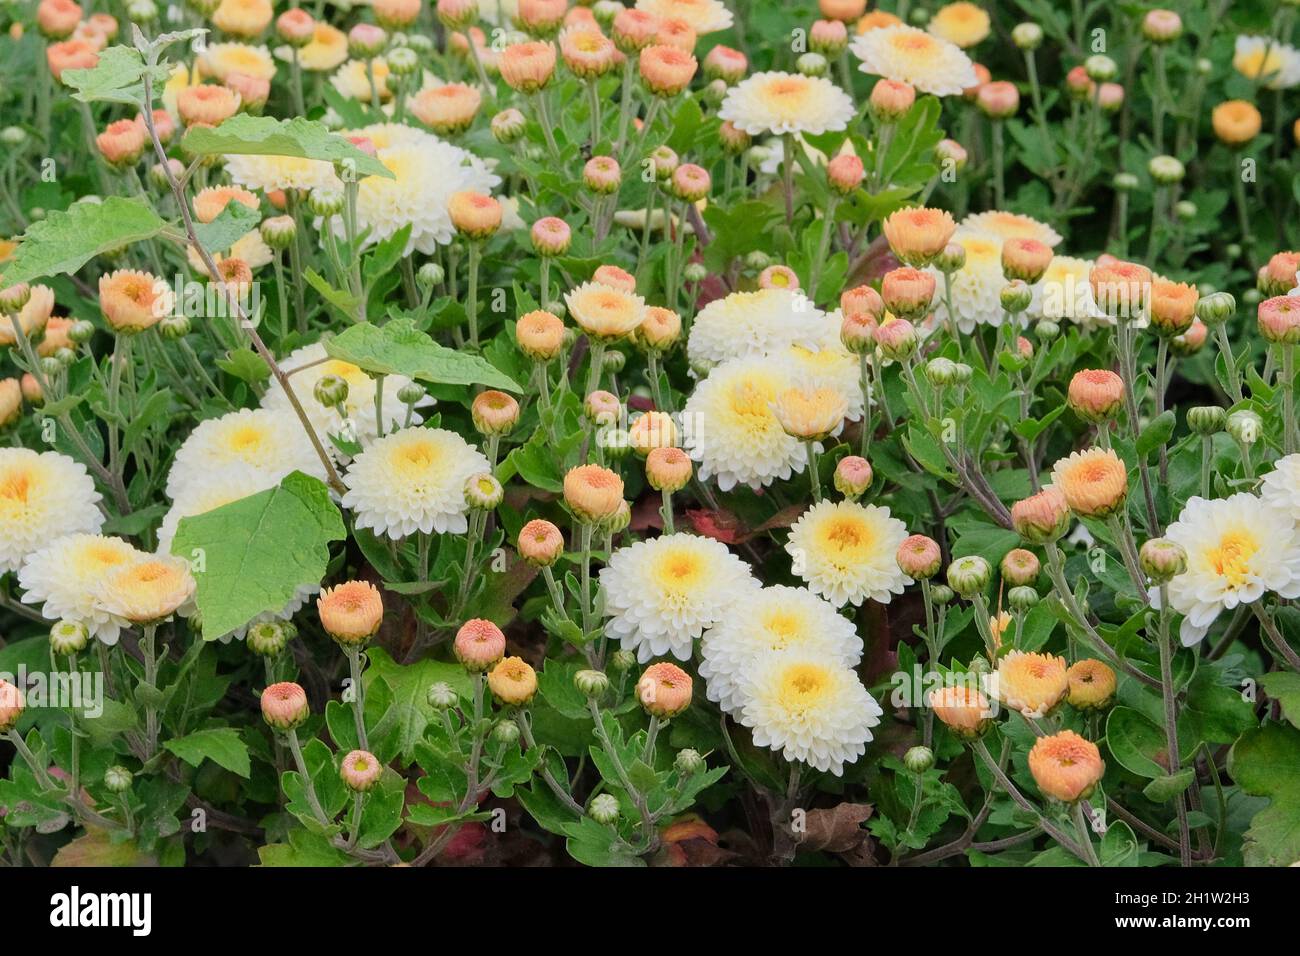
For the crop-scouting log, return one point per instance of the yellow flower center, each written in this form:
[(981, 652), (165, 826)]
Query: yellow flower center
[(1261, 62), (1231, 558), (679, 571), (15, 486), (802, 685), (845, 534)]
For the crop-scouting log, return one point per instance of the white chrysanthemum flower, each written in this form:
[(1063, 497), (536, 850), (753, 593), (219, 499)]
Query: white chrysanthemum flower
[(808, 707), (847, 552), (730, 429), (265, 443), (774, 619), (908, 55), (745, 324), (1064, 292), (43, 496), (1010, 225), (976, 286), (414, 197), (308, 365), (1280, 488), (1277, 64), (703, 16), (662, 593), (831, 366), (1237, 549), (65, 577), (781, 103), (220, 60), (413, 480), (353, 81), (269, 173)]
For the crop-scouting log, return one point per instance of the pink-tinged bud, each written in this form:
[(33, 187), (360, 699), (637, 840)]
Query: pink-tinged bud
[(668, 469), (1120, 288), (690, 182), (896, 338), (360, 770), (206, 104), (475, 215), (1024, 347), (666, 70), (1020, 567), (56, 19), (998, 100), (615, 278), (844, 10), (494, 413), (1279, 320), (31, 389), (587, 53), (917, 236), (540, 543), (457, 14), (634, 30), (365, 40), (778, 277), (602, 174), (527, 67), (365, 144), (676, 33), (541, 17), (664, 690), (1162, 26), (448, 109), (122, 142), (949, 151), (593, 493), (540, 335), (858, 332), (284, 706), (352, 612), (479, 645), (724, 63), (665, 161), (11, 706), (295, 27), (908, 292), (1079, 84), (828, 37), (660, 329), (853, 476), (1025, 259), (1110, 97), (253, 91), (862, 300), (70, 55), (1042, 517), (891, 100), (1173, 306), (551, 236), (734, 139), (1191, 341), (845, 173), (396, 14), (1279, 275), (919, 557), (602, 407)]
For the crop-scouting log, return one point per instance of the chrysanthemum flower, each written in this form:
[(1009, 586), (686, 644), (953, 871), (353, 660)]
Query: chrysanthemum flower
[(66, 575), (908, 55), (831, 366), (43, 496), (1065, 766), (845, 551), (446, 109), (209, 203), (605, 312), (352, 79), (1092, 684), (267, 443), (1237, 549), (1236, 122), (32, 317), (781, 103), (71, 55), (1280, 488), (327, 48), (1094, 482), (243, 18), (744, 324), (810, 414), (961, 708), (270, 173), (962, 23), (1030, 683), (703, 16), (731, 430), (1064, 292), (809, 708), (1011, 225), (220, 60), (351, 612), (413, 480), (11, 399), (149, 589), (660, 594), (1273, 63), (774, 619), (132, 301), (977, 285), (916, 235)]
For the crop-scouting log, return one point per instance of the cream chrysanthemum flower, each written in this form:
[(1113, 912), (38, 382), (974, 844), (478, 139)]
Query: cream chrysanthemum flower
[(781, 103), (907, 55), (808, 707), (604, 311), (962, 23), (267, 443), (353, 81), (1064, 292), (1010, 225), (43, 496), (327, 49), (774, 619), (413, 480), (66, 576), (730, 429), (1029, 683), (745, 324), (1280, 488), (146, 590), (847, 552), (221, 59), (703, 16), (269, 173), (1237, 549), (413, 197), (308, 365), (831, 366), (1274, 63), (662, 593), (977, 285)]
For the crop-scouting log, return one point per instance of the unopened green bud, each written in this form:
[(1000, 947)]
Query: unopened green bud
[(1022, 598), (591, 683), (918, 759), (603, 808), (441, 696), (267, 639), (688, 762), (117, 779), (331, 390), (505, 732), (68, 638), (1245, 426), (1216, 308), (970, 575), (1207, 420)]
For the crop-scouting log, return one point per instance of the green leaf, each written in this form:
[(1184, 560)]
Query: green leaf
[(1163, 789), (252, 555), (118, 77), (399, 348), (221, 745), (246, 135), (245, 365), (410, 686), (66, 241), (1266, 762), (1284, 687), (1136, 743), (1158, 432), (232, 224)]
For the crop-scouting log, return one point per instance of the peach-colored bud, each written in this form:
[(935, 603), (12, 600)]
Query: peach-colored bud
[(602, 174), (122, 142), (1079, 84), (1279, 319), (540, 17), (284, 706), (724, 63), (70, 55), (1096, 394), (1042, 517), (253, 90), (918, 235), (540, 543), (540, 335), (660, 329), (891, 100), (844, 10), (664, 690), (1162, 26), (634, 30), (455, 14), (1236, 122), (908, 292), (982, 76), (11, 706), (690, 182), (666, 70), (734, 139), (1279, 275), (778, 277), (615, 278), (652, 430), (1025, 259), (513, 681), (56, 19), (998, 100), (206, 103), (853, 476), (163, 125), (1020, 567), (447, 109), (1094, 482), (396, 14), (896, 338), (677, 33), (593, 493), (919, 557), (962, 709), (1092, 685), (474, 214), (527, 67), (1173, 306), (351, 612), (1110, 97), (1120, 288), (360, 770), (551, 236), (845, 173), (862, 300), (587, 52), (668, 469), (602, 407), (494, 413), (858, 331), (31, 389), (1191, 341), (828, 37), (295, 27), (1065, 766), (209, 203), (479, 645), (949, 151)]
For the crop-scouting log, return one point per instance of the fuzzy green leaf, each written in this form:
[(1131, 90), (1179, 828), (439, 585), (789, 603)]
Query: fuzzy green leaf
[(63, 242), (246, 135), (399, 348)]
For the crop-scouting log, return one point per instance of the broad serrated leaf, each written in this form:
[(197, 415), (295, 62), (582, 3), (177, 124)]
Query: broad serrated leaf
[(246, 135), (1266, 762), (252, 555), (63, 242), (399, 348), (116, 78), (222, 745)]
